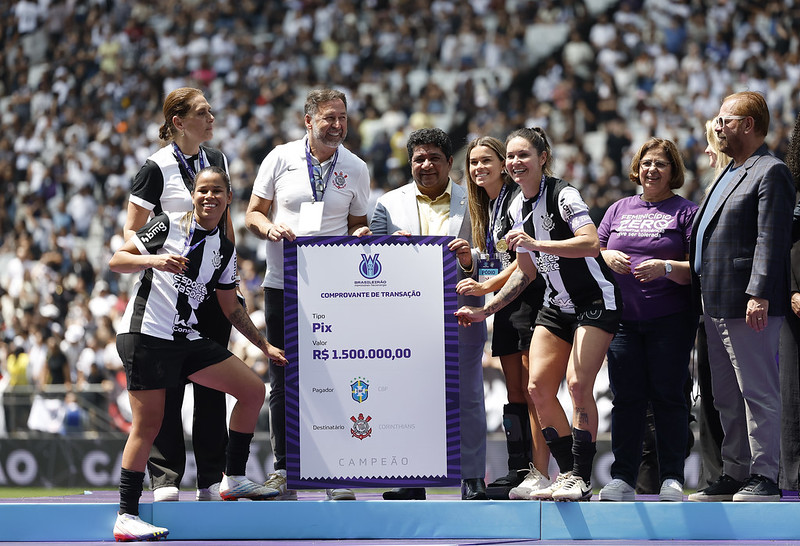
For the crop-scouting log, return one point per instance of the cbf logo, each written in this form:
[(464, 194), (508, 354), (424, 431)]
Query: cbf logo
[(359, 389), (361, 427), (370, 267), (339, 179)]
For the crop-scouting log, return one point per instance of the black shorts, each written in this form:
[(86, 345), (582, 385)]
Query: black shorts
[(564, 324), (154, 363), (513, 324)]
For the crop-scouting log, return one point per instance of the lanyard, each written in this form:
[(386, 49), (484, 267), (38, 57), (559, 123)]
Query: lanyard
[(310, 164), (497, 206), (188, 249), (519, 225), (182, 159)]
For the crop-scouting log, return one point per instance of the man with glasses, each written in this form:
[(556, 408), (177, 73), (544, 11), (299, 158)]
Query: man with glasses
[(739, 256), (311, 186)]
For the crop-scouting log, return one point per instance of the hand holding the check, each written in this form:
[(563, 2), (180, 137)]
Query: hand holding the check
[(276, 232), (463, 252)]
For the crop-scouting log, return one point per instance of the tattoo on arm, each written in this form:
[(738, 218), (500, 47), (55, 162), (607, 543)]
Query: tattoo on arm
[(242, 322), (514, 286)]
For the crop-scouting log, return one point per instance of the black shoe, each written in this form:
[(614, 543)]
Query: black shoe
[(405, 493), (499, 489), (721, 490), (473, 489), (512, 479), (758, 489)]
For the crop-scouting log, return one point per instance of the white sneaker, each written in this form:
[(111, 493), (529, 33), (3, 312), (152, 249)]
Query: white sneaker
[(129, 527), (277, 480), (209, 494), (671, 491), (340, 494), (547, 492), (533, 481), (240, 487), (618, 490), (168, 493), (573, 489)]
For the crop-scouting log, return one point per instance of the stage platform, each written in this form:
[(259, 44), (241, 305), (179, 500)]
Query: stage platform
[(90, 517)]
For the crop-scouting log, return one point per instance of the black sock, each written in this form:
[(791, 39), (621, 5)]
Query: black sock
[(130, 489), (515, 423), (583, 450), (237, 453), (560, 448)]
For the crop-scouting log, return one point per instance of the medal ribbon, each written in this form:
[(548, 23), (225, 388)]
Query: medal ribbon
[(186, 248), (182, 160), (490, 246), (519, 225)]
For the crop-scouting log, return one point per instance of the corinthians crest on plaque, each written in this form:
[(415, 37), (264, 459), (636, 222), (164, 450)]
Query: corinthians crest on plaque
[(361, 427)]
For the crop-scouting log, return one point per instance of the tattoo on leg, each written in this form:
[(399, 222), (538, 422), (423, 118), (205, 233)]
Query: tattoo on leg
[(583, 418)]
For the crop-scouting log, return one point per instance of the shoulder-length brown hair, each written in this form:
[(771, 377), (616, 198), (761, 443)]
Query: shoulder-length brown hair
[(674, 156)]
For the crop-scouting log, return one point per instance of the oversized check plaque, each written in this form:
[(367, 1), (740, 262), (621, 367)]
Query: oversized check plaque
[(372, 380)]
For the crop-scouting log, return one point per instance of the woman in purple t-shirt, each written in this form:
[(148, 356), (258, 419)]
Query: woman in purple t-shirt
[(645, 242)]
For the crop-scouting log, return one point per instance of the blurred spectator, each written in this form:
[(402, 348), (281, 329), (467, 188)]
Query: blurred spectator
[(72, 416), (17, 405), (57, 371)]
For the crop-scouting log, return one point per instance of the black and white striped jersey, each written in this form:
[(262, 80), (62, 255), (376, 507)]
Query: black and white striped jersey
[(163, 304), (162, 184), (572, 283)]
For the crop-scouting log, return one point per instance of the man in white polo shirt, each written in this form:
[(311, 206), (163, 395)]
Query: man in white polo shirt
[(311, 186)]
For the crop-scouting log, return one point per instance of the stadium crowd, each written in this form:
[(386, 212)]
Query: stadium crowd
[(83, 82)]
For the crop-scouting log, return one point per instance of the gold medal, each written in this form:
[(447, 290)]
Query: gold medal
[(502, 245)]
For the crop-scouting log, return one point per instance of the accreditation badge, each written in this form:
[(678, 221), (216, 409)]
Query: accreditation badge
[(310, 217), (488, 267)]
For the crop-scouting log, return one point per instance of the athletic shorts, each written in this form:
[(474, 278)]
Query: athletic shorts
[(513, 324), (564, 324), (154, 363)]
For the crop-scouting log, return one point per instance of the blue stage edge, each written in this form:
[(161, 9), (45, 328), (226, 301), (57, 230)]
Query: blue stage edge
[(431, 519)]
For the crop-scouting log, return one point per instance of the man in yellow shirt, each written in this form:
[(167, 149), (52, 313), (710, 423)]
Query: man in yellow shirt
[(433, 205)]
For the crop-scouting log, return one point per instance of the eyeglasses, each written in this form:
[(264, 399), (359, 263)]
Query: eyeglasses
[(319, 184), (660, 165), (721, 121)]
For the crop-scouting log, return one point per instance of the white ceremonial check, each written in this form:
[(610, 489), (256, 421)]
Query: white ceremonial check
[(370, 360)]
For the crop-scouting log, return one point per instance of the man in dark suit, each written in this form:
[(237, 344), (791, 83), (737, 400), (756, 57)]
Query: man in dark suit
[(434, 205), (739, 257)]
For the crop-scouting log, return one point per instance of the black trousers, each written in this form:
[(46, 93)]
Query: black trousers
[(273, 310), (710, 427), (790, 400), (167, 461)]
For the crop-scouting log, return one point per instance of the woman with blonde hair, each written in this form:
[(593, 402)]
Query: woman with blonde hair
[(710, 428), (717, 160)]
